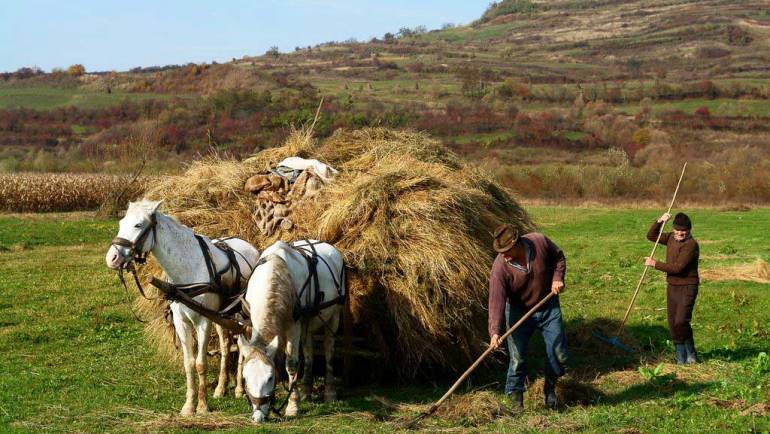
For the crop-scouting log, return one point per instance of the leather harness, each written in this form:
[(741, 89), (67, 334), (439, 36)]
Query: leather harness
[(186, 293)]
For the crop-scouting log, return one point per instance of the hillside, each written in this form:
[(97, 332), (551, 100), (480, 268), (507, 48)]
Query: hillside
[(588, 80)]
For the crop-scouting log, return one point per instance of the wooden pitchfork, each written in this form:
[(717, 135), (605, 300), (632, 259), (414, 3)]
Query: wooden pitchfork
[(615, 340)]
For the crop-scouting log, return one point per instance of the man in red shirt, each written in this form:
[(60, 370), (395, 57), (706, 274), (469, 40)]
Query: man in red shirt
[(527, 267)]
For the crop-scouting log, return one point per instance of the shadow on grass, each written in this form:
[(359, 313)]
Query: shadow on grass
[(648, 391), (732, 355), (591, 357)]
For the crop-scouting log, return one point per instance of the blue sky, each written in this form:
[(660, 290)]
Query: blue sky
[(119, 35)]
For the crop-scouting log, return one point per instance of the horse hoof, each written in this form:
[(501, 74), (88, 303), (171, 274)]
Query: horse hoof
[(292, 410), (239, 393), (187, 410), (219, 393), (202, 410)]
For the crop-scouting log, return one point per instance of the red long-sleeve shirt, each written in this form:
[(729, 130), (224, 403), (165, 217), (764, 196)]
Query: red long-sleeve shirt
[(526, 289)]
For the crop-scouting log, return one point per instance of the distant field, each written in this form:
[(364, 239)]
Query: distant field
[(46, 98), (717, 107), (75, 360)]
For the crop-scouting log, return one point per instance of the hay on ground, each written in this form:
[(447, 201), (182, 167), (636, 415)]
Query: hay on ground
[(758, 271), (475, 408), (570, 391), (162, 422), (412, 220)]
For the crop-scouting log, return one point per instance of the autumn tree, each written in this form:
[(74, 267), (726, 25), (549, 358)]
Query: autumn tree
[(76, 70)]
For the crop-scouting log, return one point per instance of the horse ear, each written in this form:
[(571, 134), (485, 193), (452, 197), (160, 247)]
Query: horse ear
[(155, 206), (245, 347), (272, 347)]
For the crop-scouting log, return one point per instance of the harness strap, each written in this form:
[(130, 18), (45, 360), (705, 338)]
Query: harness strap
[(312, 257), (172, 293)]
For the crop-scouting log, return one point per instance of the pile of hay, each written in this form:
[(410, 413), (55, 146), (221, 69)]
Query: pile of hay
[(758, 271), (412, 220)]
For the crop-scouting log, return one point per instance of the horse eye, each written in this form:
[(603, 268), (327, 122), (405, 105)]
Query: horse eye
[(138, 225)]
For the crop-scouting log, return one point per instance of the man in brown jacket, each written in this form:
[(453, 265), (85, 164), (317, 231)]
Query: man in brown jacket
[(681, 268), (526, 269)]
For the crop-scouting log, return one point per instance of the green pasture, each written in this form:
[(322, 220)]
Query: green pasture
[(46, 98), (717, 107), (75, 360)]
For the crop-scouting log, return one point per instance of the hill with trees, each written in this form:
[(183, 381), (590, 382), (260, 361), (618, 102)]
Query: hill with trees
[(561, 99)]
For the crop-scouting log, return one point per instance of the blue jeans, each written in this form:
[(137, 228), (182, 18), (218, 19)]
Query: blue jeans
[(548, 321)]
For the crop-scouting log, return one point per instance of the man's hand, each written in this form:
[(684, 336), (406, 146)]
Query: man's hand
[(664, 218), (648, 261), (495, 341), (557, 287)]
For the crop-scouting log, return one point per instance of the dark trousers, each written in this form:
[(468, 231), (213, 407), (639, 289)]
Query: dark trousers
[(681, 302), (548, 321)]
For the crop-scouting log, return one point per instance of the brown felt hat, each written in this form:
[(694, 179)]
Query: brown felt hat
[(506, 236)]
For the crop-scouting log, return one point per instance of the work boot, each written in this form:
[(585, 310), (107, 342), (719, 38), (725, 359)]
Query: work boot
[(692, 356), (549, 391), (681, 354), (517, 401)]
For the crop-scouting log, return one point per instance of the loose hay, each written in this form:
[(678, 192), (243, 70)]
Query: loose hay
[(412, 220), (161, 422), (470, 409), (758, 271), (475, 408), (570, 391)]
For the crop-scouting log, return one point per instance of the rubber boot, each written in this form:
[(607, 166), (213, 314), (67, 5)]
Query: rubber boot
[(549, 391), (681, 354), (692, 356), (517, 401)]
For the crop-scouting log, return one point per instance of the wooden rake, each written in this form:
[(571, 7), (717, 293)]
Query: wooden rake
[(475, 364)]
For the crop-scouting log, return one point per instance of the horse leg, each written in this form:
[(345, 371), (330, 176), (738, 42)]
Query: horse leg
[(292, 361), (224, 355), (330, 394), (185, 333), (239, 377), (307, 350), (203, 330)]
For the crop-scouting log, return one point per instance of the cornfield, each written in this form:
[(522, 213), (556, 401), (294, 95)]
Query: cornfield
[(46, 192)]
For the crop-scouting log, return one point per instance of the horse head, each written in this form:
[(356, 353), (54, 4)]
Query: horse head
[(136, 235), (258, 376)]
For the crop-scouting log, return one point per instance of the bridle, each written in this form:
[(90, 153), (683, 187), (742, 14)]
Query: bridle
[(136, 248), (258, 402), (136, 253)]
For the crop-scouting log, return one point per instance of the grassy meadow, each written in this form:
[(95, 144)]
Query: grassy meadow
[(47, 98), (76, 360)]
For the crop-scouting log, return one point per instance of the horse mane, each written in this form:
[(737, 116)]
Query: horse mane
[(279, 307)]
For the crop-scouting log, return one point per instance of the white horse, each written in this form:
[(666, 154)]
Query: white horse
[(281, 283), (144, 229)]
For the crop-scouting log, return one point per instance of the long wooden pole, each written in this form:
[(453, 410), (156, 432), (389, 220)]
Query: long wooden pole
[(489, 350), (654, 248)]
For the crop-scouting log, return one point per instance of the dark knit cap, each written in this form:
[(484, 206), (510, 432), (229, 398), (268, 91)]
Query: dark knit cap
[(682, 222)]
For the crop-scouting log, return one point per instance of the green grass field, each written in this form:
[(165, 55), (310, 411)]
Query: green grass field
[(46, 98), (75, 360)]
